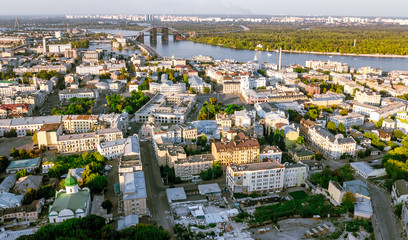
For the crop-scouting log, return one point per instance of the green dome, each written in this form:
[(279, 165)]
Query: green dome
[(70, 181)]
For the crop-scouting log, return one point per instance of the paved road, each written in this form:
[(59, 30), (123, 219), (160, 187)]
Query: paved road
[(384, 223), (156, 192)]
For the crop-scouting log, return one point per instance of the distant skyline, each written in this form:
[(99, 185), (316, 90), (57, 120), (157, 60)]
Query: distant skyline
[(371, 8)]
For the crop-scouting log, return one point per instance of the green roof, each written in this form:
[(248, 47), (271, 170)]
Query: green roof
[(70, 181), (71, 201), (5, 81), (25, 163)]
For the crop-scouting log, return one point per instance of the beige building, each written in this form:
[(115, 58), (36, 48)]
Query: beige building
[(189, 132), (191, 167), (336, 192), (224, 120), (109, 134), (240, 151), (79, 123), (175, 154), (134, 194), (77, 142), (48, 135), (231, 87), (368, 97)]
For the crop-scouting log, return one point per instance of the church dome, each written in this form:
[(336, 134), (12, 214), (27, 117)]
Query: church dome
[(70, 181)]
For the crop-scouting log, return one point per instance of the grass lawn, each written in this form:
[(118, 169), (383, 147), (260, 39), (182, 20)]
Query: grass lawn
[(298, 195)]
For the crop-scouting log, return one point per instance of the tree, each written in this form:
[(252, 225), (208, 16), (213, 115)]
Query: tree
[(343, 112), (21, 173), (14, 153), (398, 134), (331, 126), (207, 90), (300, 140), (231, 108), (341, 128), (379, 123), (107, 204), (96, 183), (192, 90), (348, 201), (30, 196), (4, 162), (35, 138)]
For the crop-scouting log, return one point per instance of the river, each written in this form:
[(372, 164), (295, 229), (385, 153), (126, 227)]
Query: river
[(188, 49)]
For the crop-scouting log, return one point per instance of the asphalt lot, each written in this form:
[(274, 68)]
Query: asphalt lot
[(156, 191), (384, 223), (6, 144)]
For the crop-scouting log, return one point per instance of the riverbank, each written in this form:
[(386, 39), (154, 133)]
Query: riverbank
[(347, 54), (314, 53)]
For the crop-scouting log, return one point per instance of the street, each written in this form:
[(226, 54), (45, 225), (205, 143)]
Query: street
[(384, 223), (156, 192)]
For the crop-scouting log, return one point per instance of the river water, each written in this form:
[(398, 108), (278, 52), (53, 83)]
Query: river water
[(188, 49)]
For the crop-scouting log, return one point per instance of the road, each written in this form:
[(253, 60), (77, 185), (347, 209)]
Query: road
[(156, 191), (384, 223)]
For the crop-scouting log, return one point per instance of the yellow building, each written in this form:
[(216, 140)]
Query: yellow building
[(48, 135), (79, 123), (240, 151)]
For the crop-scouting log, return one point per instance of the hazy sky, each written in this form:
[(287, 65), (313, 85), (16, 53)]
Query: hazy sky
[(391, 8)]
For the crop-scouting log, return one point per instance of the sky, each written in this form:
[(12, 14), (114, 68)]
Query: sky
[(380, 8)]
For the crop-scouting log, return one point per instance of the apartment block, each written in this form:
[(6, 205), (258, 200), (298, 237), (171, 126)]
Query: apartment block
[(255, 177), (191, 167), (240, 151)]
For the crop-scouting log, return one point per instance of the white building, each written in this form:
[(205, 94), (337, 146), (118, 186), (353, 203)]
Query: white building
[(134, 193), (112, 149), (59, 48), (330, 145), (72, 202), (167, 87), (295, 175), (66, 94), (32, 124), (399, 192), (198, 84), (348, 120), (244, 118), (327, 66), (255, 177)]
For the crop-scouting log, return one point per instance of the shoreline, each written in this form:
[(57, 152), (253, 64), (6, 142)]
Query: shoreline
[(345, 54), (318, 53)]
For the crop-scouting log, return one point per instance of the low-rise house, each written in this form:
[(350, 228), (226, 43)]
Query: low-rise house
[(363, 208), (399, 192), (9, 200), (358, 188), (313, 166), (27, 182), (270, 152), (28, 164), (299, 152), (77, 173), (28, 213), (7, 183), (404, 217), (366, 171)]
